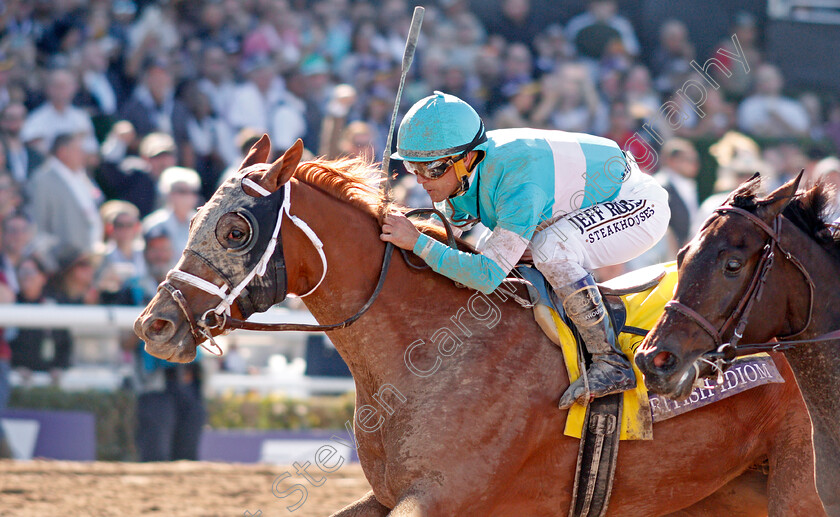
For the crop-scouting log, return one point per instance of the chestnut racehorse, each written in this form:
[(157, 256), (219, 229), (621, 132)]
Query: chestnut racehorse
[(800, 301), (457, 392)]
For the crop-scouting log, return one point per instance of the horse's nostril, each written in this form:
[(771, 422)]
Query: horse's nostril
[(159, 329), (664, 360)]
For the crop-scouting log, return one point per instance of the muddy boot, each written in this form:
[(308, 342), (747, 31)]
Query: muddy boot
[(610, 371)]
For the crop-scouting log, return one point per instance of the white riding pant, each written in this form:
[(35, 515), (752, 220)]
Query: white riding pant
[(604, 234)]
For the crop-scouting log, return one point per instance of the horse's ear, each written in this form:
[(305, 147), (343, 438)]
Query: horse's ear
[(779, 199), (259, 152), (283, 168), (745, 189)]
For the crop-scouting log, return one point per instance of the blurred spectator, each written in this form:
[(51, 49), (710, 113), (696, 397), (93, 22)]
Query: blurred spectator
[(518, 110), (21, 158), (357, 142), (678, 175), (671, 58), (33, 348), (154, 33), (828, 171), (832, 123), (552, 49), (135, 178), (10, 199), (642, 100), (73, 283), (767, 113), (729, 177), (245, 140), (122, 256), (7, 63), (58, 116), (61, 197), (153, 106), (570, 102), (518, 23), (317, 87), (810, 101), (335, 122), (215, 80), (209, 141), (180, 187), (233, 361), (367, 57), (170, 408), (718, 117), (592, 32), (409, 193), (255, 99), (621, 127), (745, 32), (97, 94), (16, 241), (517, 69)]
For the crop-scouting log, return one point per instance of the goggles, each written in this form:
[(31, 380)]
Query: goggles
[(429, 170)]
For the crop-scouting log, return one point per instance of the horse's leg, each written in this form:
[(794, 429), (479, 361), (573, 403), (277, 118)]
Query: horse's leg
[(744, 496), (367, 506), (791, 489), (412, 505)]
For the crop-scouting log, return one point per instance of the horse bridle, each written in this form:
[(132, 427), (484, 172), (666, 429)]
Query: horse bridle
[(219, 318), (724, 353), (228, 293)]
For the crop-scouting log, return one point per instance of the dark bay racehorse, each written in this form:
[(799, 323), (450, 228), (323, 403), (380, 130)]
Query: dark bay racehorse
[(456, 392), (800, 300)]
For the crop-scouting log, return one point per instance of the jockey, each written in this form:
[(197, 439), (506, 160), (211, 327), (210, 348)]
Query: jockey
[(576, 202)]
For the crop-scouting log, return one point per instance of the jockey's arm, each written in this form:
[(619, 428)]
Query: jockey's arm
[(519, 212)]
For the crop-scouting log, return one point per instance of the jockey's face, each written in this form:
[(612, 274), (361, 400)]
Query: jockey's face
[(441, 188)]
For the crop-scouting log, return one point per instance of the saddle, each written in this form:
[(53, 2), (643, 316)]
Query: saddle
[(602, 421), (545, 300)]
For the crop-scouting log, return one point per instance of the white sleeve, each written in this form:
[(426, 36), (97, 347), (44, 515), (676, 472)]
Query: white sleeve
[(505, 248)]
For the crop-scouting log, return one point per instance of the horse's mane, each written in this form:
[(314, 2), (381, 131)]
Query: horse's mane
[(807, 211), (357, 183)]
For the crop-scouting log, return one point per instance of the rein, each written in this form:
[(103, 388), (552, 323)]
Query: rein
[(724, 353)]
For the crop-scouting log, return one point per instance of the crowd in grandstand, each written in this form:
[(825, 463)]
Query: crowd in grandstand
[(117, 118)]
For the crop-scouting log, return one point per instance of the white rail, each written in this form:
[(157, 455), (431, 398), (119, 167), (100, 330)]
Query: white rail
[(110, 317)]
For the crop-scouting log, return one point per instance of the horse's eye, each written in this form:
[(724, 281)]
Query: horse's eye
[(733, 266), (234, 232)]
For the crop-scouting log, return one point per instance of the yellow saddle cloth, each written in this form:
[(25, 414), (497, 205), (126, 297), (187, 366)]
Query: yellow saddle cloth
[(643, 309)]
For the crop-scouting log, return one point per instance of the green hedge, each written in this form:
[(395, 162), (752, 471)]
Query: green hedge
[(254, 411), (114, 413)]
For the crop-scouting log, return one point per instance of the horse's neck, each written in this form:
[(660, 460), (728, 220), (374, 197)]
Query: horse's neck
[(817, 365), (374, 345), (824, 271)]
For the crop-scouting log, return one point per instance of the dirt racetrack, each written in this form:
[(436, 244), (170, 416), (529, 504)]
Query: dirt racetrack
[(70, 489)]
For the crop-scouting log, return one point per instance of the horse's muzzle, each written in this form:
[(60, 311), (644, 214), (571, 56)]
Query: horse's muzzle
[(665, 372), (163, 330)]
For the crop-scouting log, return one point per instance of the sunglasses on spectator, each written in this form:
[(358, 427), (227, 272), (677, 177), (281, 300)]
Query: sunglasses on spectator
[(184, 191), (430, 170), (125, 224)]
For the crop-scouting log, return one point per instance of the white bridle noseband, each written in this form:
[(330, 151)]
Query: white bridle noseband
[(228, 297)]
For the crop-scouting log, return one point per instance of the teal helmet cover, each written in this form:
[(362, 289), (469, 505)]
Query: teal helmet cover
[(438, 126)]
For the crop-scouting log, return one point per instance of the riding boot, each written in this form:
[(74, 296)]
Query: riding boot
[(611, 371)]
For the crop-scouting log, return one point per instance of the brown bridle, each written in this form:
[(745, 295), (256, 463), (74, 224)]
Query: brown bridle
[(724, 353)]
